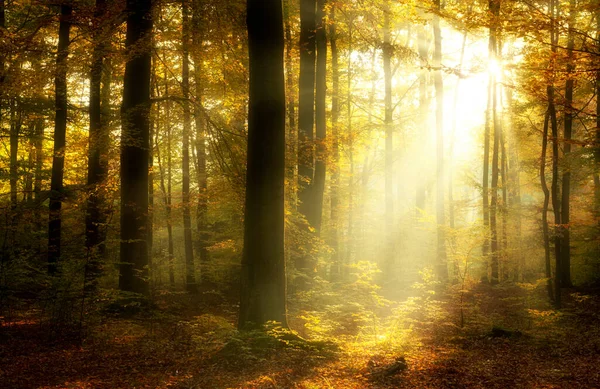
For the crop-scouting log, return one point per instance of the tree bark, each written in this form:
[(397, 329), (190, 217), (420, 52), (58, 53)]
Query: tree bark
[(554, 189), (263, 287), (545, 232), (320, 117), (60, 131), (306, 109), (133, 271), (200, 121), (568, 130), (95, 221), (190, 276), (335, 169)]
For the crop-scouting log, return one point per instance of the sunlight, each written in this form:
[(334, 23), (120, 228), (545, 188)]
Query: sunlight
[(495, 69)]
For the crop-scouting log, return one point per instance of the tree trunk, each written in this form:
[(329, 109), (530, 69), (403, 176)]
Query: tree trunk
[(554, 189), (423, 48), (335, 169), (441, 266), (95, 221), (166, 189), (190, 276), (545, 232), (350, 233), (568, 130), (15, 128), (133, 275), (263, 286), (60, 131), (306, 108), (200, 121), (453, 135), (320, 117)]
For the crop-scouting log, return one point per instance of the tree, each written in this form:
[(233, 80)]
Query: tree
[(387, 50), (320, 116), (263, 283), (190, 276), (99, 140), (60, 133), (568, 130), (306, 108), (135, 143), (200, 121), (335, 176), (441, 267)]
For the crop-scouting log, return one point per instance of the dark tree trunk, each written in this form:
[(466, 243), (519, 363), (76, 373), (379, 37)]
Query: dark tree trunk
[(335, 149), (441, 266), (200, 121), (545, 232), (306, 108), (190, 276), (99, 139), (554, 189), (568, 130), (37, 177), (320, 116), (263, 286), (133, 275), (597, 145), (60, 132), (15, 128)]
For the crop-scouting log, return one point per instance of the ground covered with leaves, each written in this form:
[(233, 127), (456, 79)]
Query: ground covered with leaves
[(505, 336)]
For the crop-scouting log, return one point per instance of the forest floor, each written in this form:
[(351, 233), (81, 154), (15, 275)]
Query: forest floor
[(510, 338)]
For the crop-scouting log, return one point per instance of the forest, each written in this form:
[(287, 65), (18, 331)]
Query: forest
[(299, 194)]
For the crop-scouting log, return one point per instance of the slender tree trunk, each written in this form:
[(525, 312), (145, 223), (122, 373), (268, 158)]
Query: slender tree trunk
[(200, 121), (514, 191), (335, 169), (423, 48), (95, 220), (350, 233), (15, 128), (167, 192), (166, 189), (485, 189), (545, 232), (597, 145), (387, 51), (554, 189), (320, 117), (306, 109), (60, 130), (263, 286), (133, 274), (568, 130), (503, 206), (37, 177), (441, 266), (190, 276)]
